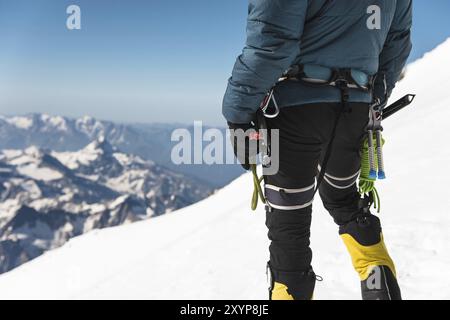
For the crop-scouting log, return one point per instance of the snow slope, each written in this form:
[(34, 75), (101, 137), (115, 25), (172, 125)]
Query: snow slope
[(216, 249)]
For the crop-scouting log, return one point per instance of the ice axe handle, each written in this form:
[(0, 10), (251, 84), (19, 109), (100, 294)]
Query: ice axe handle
[(398, 105)]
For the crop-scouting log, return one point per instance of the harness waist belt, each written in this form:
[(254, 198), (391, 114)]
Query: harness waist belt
[(320, 75)]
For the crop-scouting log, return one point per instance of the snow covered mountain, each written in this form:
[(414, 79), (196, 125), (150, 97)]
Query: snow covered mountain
[(217, 248), (66, 134), (47, 197)]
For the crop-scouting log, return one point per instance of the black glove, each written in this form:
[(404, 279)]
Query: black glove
[(243, 147), (380, 91)]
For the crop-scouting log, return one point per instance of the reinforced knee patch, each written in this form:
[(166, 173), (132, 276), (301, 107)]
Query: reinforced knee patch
[(289, 199), (291, 285)]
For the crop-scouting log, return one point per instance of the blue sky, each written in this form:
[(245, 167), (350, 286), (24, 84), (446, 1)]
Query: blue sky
[(138, 60)]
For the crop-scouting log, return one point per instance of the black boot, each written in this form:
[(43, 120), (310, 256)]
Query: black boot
[(364, 240), (380, 285), (291, 285)]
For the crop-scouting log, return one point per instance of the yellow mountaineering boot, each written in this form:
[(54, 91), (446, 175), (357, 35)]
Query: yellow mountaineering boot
[(364, 241), (280, 292), (291, 285)]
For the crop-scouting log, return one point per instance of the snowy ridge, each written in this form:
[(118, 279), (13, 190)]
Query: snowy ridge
[(62, 134), (217, 249)]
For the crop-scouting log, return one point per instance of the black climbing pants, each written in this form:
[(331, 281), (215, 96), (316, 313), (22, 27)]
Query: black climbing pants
[(304, 134)]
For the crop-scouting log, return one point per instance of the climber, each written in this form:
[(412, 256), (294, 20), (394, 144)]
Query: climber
[(331, 65)]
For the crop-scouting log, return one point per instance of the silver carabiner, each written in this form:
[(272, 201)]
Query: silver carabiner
[(270, 98)]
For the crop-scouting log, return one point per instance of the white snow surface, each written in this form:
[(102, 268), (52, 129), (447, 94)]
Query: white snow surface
[(20, 122), (25, 123), (56, 122), (29, 164), (37, 173), (84, 157), (217, 248)]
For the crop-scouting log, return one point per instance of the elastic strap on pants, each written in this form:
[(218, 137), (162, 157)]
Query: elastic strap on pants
[(344, 104)]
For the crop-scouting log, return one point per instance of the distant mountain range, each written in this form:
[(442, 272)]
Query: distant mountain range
[(47, 196), (61, 177), (149, 141)]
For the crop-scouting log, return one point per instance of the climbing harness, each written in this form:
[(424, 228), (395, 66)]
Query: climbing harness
[(315, 75), (343, 79), (372, 162)]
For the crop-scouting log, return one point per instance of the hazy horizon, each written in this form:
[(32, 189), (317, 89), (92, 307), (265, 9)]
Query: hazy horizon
[(138, 61)]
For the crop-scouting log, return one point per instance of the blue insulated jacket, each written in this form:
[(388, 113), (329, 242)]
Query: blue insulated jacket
[(330, 33)]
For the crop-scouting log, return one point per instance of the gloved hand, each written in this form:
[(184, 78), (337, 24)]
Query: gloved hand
[(380, 92), (244, 151)]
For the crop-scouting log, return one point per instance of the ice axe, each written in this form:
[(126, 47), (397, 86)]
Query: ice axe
[(397, 106)]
